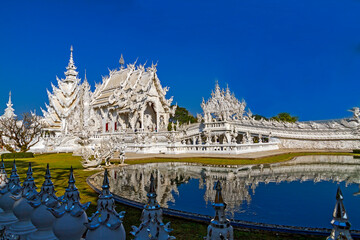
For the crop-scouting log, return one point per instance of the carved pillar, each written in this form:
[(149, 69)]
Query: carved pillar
[(142, 120), (104, 119), (157, 116)]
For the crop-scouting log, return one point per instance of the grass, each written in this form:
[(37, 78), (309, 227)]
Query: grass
[(236, 161), (183, 229)]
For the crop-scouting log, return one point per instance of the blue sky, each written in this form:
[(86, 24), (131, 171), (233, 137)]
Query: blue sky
[(301, 57)]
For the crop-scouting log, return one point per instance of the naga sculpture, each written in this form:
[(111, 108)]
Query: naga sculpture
[(102, 152)]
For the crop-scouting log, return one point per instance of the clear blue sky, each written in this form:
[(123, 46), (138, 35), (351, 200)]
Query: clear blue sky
[(301, 57)]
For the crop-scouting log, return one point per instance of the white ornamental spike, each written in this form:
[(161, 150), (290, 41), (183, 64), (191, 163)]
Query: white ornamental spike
[(152, 226), (219, 227), (71, 214), (41, 218), (7, 217), (22, 209), (106, 223)]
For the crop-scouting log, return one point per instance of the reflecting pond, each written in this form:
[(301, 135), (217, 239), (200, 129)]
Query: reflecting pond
[(300, 192)]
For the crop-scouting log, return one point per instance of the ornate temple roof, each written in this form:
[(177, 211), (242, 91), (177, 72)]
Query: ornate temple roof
[(127, 87)]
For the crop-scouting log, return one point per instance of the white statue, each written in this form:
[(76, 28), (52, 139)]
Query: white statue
[(102, 152), (356, 113), (122, 154)]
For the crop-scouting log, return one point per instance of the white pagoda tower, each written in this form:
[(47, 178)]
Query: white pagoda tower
[(9, 111), (66, 110), (340, 222), (219, 227)]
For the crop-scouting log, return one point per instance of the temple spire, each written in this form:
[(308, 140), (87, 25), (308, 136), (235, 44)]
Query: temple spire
[(71, 60), (122, 61), (85, 78), (9, 111), (71, 72), (340, 222), (9, 103)]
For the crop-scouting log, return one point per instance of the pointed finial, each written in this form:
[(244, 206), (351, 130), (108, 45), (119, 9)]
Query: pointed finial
[(122, 61), (152, 184), (71, 52), (227, 89), (85, 78), (106, 181), (71, 177), (47, 172), (9, 103), (14, 170), (71, 60), (2, 166), (29, 171)]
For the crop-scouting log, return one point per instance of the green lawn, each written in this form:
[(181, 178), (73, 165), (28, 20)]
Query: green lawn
[(237, 161), (183, 230)]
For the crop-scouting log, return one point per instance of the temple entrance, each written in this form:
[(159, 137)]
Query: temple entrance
[(150, 118), (123, 120)]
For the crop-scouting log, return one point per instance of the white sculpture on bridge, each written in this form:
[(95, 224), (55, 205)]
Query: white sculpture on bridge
[(122, 154), (102, 152)]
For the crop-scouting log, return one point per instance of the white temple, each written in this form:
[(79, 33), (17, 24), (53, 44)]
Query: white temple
[(129, 107), (132, 98)]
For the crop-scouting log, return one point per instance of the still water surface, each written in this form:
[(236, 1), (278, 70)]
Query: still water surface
[(300, 192)]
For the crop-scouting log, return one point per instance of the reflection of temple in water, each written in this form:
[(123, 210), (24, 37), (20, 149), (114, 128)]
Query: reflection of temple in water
[(238, 182)]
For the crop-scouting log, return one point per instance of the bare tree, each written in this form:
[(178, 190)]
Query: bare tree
[(20, 134)]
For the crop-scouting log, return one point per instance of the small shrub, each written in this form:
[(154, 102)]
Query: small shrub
[(356, 150), (17, 155)]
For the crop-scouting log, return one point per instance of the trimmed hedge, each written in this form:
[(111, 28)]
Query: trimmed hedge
[(17, 155)]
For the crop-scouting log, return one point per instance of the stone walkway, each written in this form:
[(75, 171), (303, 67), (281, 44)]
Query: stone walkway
[(252, 155)]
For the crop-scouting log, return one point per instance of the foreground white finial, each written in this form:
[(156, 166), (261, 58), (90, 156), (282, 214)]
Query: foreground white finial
[(152, 226), (6, 201), (22, 209), (41, 218), (106, 223), (219, 227), (71, 213)]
